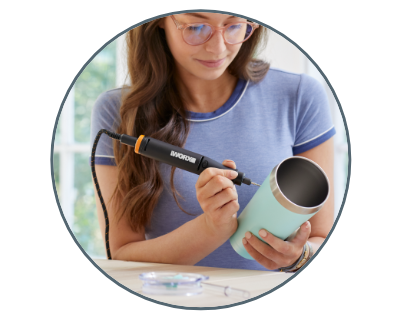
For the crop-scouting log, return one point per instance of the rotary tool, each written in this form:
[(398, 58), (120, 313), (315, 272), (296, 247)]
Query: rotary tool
[(178, 157), (163, 152)]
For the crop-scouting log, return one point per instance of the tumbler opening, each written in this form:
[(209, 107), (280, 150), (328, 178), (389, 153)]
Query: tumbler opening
[(302, 182)]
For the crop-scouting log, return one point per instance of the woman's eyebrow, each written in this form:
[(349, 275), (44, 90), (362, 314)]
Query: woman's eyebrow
[(198, 15)]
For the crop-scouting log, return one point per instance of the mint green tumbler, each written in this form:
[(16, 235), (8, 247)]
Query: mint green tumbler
[(294, 191)]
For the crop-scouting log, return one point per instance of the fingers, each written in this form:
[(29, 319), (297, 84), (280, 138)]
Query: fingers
[(216, 185), (217, 194), (223, 198), (256, 255), (262, 247), (277, 252), (287, 247), (207, 174), (302, 234), (279, 245), (210, 173), (277, 258), (229, 163)]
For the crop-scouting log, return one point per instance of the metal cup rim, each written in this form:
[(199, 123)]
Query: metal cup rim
[(284, 201)]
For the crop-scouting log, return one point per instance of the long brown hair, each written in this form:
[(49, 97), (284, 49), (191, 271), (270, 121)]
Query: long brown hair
[(153, 107)]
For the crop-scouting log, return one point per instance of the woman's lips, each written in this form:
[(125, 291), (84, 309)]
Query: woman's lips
[(211, 63)]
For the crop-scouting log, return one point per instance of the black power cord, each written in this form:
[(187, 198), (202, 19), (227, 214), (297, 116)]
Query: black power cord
[(115, 136)]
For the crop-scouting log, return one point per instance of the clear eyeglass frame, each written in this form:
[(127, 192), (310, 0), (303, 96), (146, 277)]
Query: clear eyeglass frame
[(213, 30)]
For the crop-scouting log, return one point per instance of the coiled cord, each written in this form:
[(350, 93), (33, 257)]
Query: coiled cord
[(115, 136)]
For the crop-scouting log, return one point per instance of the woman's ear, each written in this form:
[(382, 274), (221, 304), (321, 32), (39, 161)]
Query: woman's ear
[(161, 24)]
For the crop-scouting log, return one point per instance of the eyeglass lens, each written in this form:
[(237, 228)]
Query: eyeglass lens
[(199, 33)]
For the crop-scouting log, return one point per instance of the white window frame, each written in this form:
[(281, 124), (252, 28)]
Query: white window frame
[(67, 147)]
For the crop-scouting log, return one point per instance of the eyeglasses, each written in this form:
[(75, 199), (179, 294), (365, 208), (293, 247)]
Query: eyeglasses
[(198, 33)]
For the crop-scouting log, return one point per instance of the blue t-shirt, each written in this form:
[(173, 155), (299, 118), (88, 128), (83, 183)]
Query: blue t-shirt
[(260, 125)]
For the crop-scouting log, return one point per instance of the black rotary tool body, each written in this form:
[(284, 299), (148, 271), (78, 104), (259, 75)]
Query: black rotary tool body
[(177, 157)]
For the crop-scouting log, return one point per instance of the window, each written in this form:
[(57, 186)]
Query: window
[(72, 150)]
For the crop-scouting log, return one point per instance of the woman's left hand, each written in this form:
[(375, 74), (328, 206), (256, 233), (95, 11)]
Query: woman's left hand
[(278, 253)]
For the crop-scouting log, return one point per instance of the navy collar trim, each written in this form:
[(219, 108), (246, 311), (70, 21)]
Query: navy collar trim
[(224, 109)]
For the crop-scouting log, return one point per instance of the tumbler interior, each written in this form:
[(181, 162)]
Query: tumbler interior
[(302, 182)]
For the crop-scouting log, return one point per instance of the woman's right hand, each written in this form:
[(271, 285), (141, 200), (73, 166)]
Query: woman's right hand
[(218, 198)]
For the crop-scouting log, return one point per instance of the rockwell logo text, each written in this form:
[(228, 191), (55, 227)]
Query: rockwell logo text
[(182, 156)]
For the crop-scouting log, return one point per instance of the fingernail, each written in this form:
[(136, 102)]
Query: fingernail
[(307, 224), (263, 233), (247, 235), (233, 174), (244, 241)]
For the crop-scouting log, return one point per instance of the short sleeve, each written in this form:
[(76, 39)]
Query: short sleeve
[(313, 118), (105, 115)]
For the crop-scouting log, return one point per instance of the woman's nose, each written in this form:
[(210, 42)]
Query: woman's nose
[(217, 43)]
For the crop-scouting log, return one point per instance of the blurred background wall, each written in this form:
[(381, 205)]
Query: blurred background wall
[(107, 71)]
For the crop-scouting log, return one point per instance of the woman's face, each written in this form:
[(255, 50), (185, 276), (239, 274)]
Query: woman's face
[(209, 60)]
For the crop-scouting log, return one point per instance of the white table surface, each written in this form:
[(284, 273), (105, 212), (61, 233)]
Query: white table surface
[(256, 282)]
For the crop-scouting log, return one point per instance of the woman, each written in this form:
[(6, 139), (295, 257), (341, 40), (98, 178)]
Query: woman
[(195, 84)]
